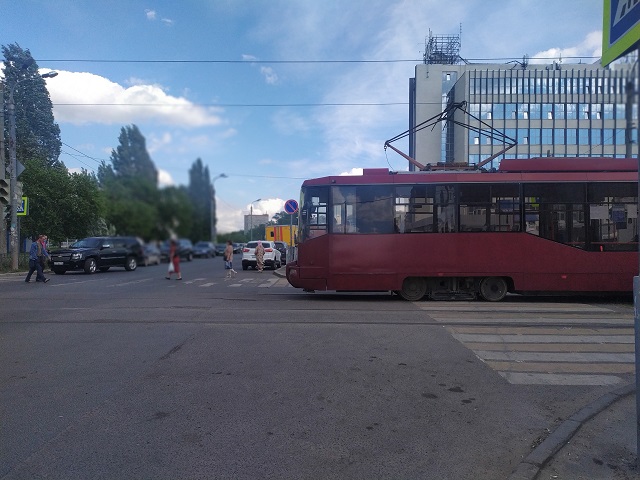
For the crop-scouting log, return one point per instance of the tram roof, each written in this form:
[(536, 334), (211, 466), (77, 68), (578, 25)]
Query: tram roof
[(541, 168)]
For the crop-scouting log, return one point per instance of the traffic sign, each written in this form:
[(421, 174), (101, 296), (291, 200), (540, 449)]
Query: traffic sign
[(291, 207), (23, 207)]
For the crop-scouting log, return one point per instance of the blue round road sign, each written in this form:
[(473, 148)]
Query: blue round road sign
[(291, 207)]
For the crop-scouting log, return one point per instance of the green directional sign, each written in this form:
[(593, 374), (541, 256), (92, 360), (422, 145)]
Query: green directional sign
[(23, 207), (620, 29)]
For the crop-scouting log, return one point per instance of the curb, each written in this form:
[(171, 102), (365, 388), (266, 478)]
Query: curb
[(533, 463)]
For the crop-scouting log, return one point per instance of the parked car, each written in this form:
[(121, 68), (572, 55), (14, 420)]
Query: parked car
[(98, 253), (220, 247), (272, 257), (237, 247), (204, 249), (185, 249), (282, 248), (151, 255)]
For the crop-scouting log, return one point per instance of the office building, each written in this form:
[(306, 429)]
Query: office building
[(556, 109)]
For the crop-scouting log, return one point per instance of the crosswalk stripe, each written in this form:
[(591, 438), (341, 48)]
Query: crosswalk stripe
[(544, 348), (527, 378)]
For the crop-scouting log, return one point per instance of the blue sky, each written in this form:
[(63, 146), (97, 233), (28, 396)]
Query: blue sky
[(253, 87)]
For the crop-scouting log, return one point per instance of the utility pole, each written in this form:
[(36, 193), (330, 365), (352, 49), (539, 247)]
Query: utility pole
[(3, 168), (13, 179)]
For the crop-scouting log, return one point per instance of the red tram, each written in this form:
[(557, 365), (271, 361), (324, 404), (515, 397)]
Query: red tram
[(542, 225)]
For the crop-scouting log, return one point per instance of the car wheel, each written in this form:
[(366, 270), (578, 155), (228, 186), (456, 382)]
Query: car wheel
[(59, 271), (245, 267), (90, 265), (131, 264)]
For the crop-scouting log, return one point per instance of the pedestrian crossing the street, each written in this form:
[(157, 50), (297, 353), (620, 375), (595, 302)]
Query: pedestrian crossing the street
[(552, 344)]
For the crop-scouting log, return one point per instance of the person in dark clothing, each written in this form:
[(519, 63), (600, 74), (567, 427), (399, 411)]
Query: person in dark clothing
[(36, 253)]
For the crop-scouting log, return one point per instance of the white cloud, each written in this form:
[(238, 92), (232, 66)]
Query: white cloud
[(269, 206), (165, 179), (590, 46), (270, 76), (353, 171), (83, 98), (151, 14), (167, 21)]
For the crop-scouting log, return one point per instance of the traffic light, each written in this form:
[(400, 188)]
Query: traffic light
[(4, 192)]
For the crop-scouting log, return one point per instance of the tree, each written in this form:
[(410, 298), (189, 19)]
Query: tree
[(200, 189), (37, 134), (175, 213), (130, 185), (61, 204), (131, 159)]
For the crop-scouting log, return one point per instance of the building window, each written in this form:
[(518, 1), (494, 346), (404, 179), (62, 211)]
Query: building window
[(585, 111), (608, 111), (534, 111), (572, 136), (621, 111), (547, 136), (583, 136), (534, 136), (547, 111), (523, 110), (607, 136), (571, 111), (559, 136), (498, 110), (619, 136), (474, 109), (596, 137), (485, 111), (559, 111), (510, 111), (523, 136)]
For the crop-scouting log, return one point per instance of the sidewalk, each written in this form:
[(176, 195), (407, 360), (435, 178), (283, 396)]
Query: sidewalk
[(597, 443)]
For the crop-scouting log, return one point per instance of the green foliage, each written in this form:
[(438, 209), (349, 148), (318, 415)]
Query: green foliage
[(131, 159), (37, 134), (61, 204), (175, 213), (200, 194), (283, 218)]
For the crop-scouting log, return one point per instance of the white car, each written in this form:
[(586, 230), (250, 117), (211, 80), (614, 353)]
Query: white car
[(272, 257)]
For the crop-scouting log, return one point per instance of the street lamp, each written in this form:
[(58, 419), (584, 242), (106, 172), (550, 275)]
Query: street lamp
[(251, 219), (214, 234), (13, 172)]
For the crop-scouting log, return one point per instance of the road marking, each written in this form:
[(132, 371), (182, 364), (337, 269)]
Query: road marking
[(207, 284), (532, 351), (558, 379)]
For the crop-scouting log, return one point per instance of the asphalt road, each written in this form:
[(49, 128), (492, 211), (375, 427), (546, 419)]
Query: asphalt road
[(128, 375)]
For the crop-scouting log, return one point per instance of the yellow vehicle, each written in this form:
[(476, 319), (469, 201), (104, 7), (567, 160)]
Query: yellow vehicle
[(282, 233)]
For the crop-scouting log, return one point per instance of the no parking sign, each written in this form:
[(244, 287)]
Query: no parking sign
[(291, 207)]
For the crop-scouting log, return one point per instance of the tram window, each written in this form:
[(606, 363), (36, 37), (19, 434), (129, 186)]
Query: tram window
[(505, 208), (555, 192), (374, 208), (474, 207), (598, 192), (313, 215), (446, 208), (414, 208), (343, 200)]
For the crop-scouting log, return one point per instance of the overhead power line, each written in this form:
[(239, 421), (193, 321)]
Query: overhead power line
[(250, 61)]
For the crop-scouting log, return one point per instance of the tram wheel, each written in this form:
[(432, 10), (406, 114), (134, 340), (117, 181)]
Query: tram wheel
[(493, 289), (413, 289)]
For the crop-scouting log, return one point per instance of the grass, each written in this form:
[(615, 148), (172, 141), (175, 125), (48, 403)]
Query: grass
[(5, 263)]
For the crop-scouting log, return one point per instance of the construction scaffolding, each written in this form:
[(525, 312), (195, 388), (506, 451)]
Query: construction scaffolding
[(442, 49)]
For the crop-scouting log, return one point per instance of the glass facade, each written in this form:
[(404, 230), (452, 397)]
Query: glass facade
[(553, 111)]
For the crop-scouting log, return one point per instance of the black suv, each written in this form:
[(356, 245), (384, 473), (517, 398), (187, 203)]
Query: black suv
[(98, 253)]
